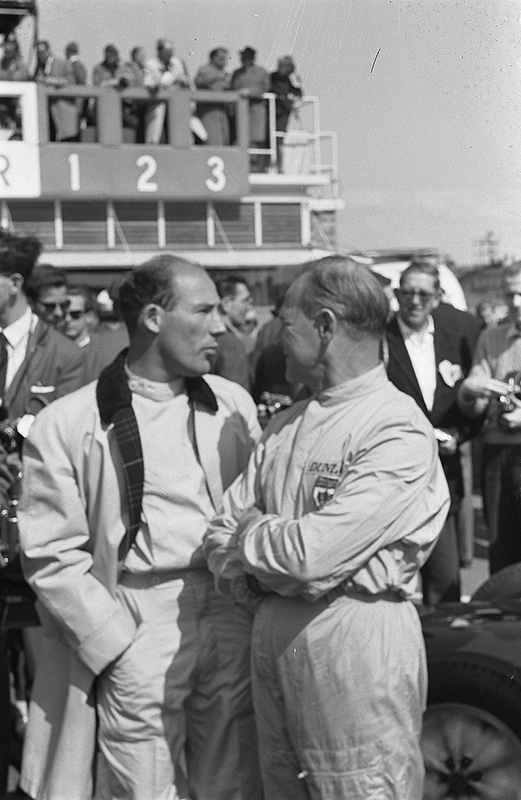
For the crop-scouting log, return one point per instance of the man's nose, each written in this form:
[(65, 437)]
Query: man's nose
[(217, 325)]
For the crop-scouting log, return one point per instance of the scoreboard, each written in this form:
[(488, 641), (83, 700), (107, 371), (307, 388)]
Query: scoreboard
[(34, 167)]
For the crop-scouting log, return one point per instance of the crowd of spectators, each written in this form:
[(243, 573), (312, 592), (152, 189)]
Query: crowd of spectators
[(212, 123), (56, 337)]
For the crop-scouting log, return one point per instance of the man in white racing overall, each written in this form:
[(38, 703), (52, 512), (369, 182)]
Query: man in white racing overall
[(340, 506)]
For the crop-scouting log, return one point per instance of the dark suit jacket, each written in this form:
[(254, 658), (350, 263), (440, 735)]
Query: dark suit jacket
[(101, 351), (231, 360), (455, 336), (52, 368)]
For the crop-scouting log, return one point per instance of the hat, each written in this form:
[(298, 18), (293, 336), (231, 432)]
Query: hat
[(248, 51)]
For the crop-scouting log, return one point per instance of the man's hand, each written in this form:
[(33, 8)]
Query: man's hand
[(511, 420), (249, 517), (484, 388), (448, 441)]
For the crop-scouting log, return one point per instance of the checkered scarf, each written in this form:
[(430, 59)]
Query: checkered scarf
[(114, 400)]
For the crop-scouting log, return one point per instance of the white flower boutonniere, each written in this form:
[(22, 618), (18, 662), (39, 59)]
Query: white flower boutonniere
[(451, 373)]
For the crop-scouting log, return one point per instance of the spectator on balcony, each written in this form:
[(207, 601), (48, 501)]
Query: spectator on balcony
[(78, 68), (57, 74), (214, 77), (135, 69), (164, 71), (252, 81), (286, 85), (12, 67), (134, 73), (79, 71), (108, 72)]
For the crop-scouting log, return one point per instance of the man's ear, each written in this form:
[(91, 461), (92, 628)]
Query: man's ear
[(151, 317), (17, 281), (226, 302), (437, 299), (326, 324)]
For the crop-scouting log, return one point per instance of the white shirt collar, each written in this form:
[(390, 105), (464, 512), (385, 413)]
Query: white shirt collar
[(20, 329), (408, 333)]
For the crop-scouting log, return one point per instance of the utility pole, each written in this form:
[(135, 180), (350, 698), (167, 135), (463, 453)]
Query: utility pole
[(488, 249)]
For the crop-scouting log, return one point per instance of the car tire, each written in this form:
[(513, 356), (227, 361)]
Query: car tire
[(471, 739), (502, 585)]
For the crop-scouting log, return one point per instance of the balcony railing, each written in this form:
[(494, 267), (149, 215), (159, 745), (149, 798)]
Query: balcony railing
[(103, 118)]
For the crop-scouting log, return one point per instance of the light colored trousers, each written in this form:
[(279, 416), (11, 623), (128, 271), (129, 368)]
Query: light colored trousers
[(339, 691), (175, 715), (154, 122)]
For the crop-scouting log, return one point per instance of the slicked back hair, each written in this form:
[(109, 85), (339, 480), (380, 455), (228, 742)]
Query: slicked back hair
[(87, 294), (43, 277), (419, 267), (350, 290), (227, 285), (152, 282)]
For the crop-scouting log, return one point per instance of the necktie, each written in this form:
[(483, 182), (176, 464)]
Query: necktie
[(3, 363)]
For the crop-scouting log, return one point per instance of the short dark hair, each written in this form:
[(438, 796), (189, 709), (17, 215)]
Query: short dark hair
[(152, 282), (72, 49), (18, 254), (227, 285), (215, 51), (44, 276), (350, 290), (86, 293), (422, 267)]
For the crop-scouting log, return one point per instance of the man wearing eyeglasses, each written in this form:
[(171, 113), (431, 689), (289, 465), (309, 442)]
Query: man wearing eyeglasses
[(428, 357), (47, 293)]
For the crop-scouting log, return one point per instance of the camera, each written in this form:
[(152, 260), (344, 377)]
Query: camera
[(10, 438), (511, 399), (270, 403)]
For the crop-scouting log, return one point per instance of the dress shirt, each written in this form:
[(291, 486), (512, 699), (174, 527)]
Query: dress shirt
[(420, 346), (17, 335)]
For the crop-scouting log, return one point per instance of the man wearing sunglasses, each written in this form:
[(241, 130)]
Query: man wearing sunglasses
[(98, 349), (40, 364), (47, 293), (428, 357)]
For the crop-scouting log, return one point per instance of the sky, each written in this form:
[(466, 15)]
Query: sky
[(429, 133)]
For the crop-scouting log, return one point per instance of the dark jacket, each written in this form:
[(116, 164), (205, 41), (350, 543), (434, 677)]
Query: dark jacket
[(455, 336), (53, 367)]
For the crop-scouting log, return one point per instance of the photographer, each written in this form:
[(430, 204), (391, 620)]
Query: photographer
[(488, 389), (37, 365)]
